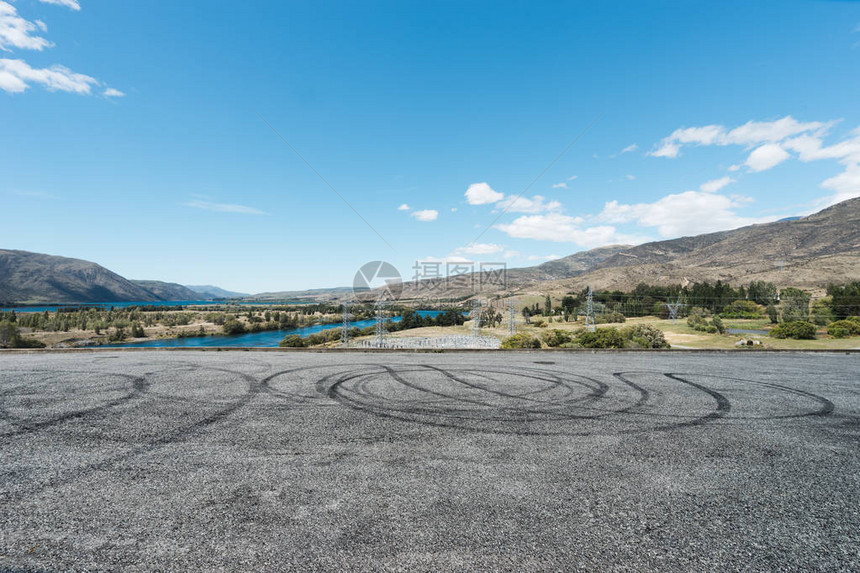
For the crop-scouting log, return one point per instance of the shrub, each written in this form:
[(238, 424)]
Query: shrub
[(233, 326), (22, 342), (843, 328), (292, 341), (555, 337), (611, 317), (742, 309), (797, 329), (117, 335), (601, 338), (645, 336), (521, 340), (717, 323)]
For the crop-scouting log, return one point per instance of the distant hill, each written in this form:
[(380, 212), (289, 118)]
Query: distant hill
[(805, 252), (168, 291), (209, 291), (319, 293), (37, 278)]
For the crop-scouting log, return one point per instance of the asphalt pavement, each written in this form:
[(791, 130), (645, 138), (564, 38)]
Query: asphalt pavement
[(268, 461)]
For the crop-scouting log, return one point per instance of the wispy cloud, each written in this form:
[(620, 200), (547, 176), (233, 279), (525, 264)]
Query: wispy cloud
[(426, 215), (630, 148), (223, 207), (561, 185), (73, 4), (479, 249), (35, 194), (17, 32), (16, 75), (404, 207), (715, 184)]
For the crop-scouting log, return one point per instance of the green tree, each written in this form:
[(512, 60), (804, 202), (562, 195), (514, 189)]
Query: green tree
[(8, 334), (547, 306), (772, 314), (795, 304), (822, 311), (845, 299)]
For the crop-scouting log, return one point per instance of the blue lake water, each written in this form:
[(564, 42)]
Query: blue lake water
[(164, 303), (268, 338)]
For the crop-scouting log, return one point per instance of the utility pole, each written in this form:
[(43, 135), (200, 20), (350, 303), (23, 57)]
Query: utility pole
[(589, 311), (476, 317)]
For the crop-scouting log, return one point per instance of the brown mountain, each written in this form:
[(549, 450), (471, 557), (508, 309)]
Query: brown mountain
[(38, 278), (806, 252), (35, 278)]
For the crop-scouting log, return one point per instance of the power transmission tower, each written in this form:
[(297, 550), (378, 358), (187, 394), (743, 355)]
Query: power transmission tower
[(674, 308), (344, 333), (476, 317), (380, 324), (512, 317), (589, 311)]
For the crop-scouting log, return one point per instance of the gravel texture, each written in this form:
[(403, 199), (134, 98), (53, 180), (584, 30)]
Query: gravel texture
[(253, 461)]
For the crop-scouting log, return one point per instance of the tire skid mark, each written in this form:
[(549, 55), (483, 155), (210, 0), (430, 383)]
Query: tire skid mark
[(176, 435), (139, 387)]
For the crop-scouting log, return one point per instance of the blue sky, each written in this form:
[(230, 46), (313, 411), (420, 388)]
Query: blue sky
[(136, 134)]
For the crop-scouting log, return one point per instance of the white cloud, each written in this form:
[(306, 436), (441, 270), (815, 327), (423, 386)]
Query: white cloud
[(846, 185), (716, 184), (453, 209), (73, 4), (479, 249), (448, 259), (16, 76), (223, 207), (404, 207), (755, 132), (572, 177), (536, 204), (482, 194), (564, 229), (543, 258), (426, 215), (630, 177), (630, 148), (750, 134), (561, 185), (16, 32), (688, 213), (766, 157)]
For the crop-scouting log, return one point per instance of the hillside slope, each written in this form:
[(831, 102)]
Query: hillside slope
[(806, 252), (27, 277), (211, 291), (168, 291)]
